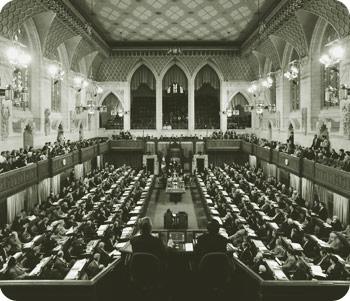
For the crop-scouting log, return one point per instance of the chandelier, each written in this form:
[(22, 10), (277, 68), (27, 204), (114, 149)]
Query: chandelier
[(293, 71), (335, 54), (17, 55), (56, 72), (80, 82)]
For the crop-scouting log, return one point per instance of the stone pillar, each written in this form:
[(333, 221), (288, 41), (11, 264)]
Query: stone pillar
[(159, 104), (191, 115), (224, 101), (127, 114)]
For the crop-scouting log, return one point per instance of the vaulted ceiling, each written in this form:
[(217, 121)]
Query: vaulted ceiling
[(149, 22)]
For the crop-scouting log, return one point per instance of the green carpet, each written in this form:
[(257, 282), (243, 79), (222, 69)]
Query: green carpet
[(190, 203)]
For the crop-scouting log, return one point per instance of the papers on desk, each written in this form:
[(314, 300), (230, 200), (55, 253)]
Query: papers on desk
[(70, 231), (296, 246), (36, 271), (120, 245), (101, 230), (218, 219), (214, 212), (188, 247), (115, 253), (317, 271)]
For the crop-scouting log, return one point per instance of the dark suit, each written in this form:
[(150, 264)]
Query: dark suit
[(93, 269), (209, 243), (146, 243), (323, 214)]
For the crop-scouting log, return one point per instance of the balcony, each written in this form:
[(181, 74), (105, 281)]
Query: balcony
[(223, 145)]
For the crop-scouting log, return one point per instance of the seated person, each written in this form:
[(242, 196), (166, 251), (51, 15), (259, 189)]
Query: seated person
[(246, 255), (291, 262), (14, 271), (300, 273), (146, 242), (334, 271), (263, 273), (211, 242), (278, 251), (94, 266)]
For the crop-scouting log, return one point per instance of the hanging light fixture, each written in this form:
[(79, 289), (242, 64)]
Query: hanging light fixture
[(17, 55), (80, 82), (293, 71), (331, 95), (56, 72), (334, 54)]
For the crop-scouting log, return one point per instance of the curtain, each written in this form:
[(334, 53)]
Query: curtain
[(32, 196), (252, 161), (150, 148), (294, 182), (307, 191), (79, 171), (175, 75), (44, 189), (56, 184), (341, 208), (325, 196), (264, 167), (207, 75), (200, 146), (87, 167), (98, 162), (143, 76), (272, 170), (15, 204), (187, 148)]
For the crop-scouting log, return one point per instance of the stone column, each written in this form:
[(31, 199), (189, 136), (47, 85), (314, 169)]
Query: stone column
[(191, 105), (127, 102), (159, 104)]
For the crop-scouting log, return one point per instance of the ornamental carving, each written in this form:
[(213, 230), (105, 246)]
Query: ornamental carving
[(5, 115), (346, 120)]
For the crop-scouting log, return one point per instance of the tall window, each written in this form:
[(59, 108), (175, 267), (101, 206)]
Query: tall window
[(295, 87), (20, 78), (330, 78), (56, 87), (56, 95)]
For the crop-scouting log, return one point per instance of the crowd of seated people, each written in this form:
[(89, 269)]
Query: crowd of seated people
[(297, 237), (47, 241), (177, 119), (14, 159), (123, 135)]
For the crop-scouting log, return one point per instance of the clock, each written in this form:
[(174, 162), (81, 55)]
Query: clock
[(64, 162), (286, 162)]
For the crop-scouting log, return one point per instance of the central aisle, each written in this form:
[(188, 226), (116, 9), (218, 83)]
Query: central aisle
[(160, 203)]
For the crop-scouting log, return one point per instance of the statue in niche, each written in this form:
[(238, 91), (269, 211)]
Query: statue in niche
[(346, 120), (47, 122), (278, 126), (5, 115), (60, 134)]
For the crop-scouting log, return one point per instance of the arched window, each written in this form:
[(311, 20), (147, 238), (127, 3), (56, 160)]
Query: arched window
[(56, 87), (207, 99), (143, 99), (112, 117), (330, 75), (20, 77), (295, 87), (244, 118), (175, 103)]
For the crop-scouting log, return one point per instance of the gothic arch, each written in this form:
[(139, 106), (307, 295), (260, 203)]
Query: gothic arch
[(246, 95), (212, 65), (318, 36), (173, 62), (137, 65), (106, 94), (33, 37), (287, 55)]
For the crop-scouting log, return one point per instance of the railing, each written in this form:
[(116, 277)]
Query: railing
[(127, 145), (264, 153), (16, 180), (308, 169), (332, 178), (247, 147), (290, 163), (223, 145)]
